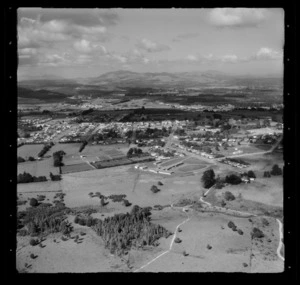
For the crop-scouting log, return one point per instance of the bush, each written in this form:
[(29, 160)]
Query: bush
[(160, 183), (233, 179), (33, 242), (82, 222), (126, 203), (76, 220), (257, 233), (33, 202), (231, 224), (90, 222), (154, 189), (267, 174), (223, 204), (208, 178), (251, 174), (229, 196), (21, 159), (276, 170), (30, 158), (178, 240), (240, 232), (265, 222)]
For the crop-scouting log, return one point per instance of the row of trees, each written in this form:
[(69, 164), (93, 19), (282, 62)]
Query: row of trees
[(84, 143), (27, 178), (21, 159), (209, 179), (45, 149)]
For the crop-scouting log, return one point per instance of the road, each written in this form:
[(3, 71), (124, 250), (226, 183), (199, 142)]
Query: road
[(280, 240)]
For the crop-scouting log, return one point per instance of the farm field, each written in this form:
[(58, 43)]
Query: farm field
[(231, 248), (76, 168), (38, 168), (68, 256), (68, 148), (171, 161), (29, 150), (125, 180), (191, 167), (264, 190)]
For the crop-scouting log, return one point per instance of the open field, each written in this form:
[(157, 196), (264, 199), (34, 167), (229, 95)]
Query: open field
[(29, 150), (76, 168), (38, 168), (230, 248), (191, 167), (68, 148), (67, 256), (264, 190), (171, 161)]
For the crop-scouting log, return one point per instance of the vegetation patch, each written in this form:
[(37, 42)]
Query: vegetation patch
[(123, 231)]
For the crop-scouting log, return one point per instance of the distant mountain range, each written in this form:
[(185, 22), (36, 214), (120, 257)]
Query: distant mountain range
[(129, 79)]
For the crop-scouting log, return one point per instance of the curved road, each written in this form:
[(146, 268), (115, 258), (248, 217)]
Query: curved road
[(184, 209)]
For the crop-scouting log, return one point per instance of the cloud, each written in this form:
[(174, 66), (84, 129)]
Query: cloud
[(86, 46), (151, 46), (265, 53), (230, 58), (192, 57), (80, 17), (237, 17), (185, 36)]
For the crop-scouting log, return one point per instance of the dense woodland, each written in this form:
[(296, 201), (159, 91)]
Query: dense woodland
[(134, 229)]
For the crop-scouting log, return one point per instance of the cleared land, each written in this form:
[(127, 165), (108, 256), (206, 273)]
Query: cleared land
[(187, 168), (76, 168), (38, 168), (29, 150)]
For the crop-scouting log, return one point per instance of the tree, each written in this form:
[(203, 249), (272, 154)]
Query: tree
[(154, 189), (30, 158), (20, 159), (233, 179), (229, 196), (33, 202), (267, 174), (276, 170), (208, 178), (251, 174)]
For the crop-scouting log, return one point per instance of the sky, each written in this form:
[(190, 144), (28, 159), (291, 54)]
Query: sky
[(79, 43)]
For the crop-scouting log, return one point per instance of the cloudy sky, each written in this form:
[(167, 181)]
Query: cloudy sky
[(89, 42)]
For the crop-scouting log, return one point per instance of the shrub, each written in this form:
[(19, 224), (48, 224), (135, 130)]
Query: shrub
[(21, 159), (126, 203), (251, 174), (30, 158), (160, 183), (265, 222), (257, 233), (223, 204), (240, 232), (32, 256), (154, 189), (208, 178), (233, 179), (90, 222), (82, 222), (229, 196), (33, 242), (33, 202), (276, 170), (231, 224), (267, 174), (178, 240), (209, 246)]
